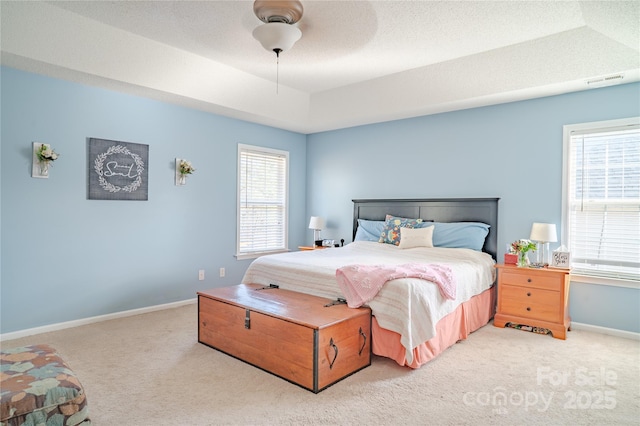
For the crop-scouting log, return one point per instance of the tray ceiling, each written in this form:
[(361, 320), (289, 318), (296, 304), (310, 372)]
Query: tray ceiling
[(358, 62)]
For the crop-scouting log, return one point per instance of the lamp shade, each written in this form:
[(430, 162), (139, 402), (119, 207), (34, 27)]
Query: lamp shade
[(277, 36), (543, 232), (316, 223)]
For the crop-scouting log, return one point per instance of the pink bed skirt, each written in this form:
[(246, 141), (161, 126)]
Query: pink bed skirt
[(467, 318)]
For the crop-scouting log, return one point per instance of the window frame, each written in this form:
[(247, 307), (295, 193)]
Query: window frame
[(269, 152), (566, 153)]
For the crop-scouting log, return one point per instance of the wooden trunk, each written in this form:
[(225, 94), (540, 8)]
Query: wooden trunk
[(304, 339)]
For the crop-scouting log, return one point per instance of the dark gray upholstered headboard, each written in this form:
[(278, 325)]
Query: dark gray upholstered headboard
[(483, 210)]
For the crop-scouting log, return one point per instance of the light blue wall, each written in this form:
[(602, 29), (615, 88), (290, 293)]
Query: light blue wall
[(512, 151), (65, 257)]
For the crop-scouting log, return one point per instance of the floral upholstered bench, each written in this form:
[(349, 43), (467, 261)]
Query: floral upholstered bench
[(37, 387)]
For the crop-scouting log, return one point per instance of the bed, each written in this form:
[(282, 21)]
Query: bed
[(413, 319)]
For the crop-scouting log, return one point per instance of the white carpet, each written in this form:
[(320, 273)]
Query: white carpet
[(150, 370)]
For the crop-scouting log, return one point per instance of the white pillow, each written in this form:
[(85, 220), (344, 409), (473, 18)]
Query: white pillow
[(416, 237)]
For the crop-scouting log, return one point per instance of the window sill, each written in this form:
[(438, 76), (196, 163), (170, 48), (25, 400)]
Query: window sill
[(243, 256), (611, 282)]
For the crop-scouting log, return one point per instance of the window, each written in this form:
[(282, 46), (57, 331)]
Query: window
[(262, 201), (601, 198)]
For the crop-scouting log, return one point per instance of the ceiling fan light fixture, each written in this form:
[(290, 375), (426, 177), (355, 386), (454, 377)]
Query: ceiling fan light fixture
[(285, 11), (277, 36)]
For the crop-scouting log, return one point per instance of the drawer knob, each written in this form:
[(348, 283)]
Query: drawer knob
[(528, 308), (528, 280), (529, 293)]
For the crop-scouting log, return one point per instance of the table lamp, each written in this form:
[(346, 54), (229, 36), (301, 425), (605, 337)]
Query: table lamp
[(316, 223), (543, 234)]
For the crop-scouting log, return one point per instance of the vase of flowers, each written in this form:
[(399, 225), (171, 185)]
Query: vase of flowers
[(185, 168), (522, 247), (46, 155)]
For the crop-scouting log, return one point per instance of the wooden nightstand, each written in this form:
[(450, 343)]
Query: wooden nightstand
[(535, 297), (311, 248)]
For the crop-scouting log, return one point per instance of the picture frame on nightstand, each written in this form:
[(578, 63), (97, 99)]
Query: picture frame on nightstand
[(560, 259)]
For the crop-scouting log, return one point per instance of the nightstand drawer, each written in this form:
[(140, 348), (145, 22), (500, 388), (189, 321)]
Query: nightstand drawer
[(530, 302), (533, 278)]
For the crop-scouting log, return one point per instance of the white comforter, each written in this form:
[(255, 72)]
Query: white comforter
[(410, 307)]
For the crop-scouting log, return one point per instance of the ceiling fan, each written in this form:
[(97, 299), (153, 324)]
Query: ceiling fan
[(278, 33)]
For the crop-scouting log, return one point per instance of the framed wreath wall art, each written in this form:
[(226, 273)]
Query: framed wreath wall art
[(118, 170)]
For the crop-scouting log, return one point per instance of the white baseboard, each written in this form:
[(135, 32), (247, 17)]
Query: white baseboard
[(91, 320), (604, 330)]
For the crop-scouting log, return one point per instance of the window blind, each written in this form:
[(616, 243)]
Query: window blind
[(604, 202), (262, 200)]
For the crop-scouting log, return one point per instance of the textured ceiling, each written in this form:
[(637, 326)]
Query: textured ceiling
[(358, 62)]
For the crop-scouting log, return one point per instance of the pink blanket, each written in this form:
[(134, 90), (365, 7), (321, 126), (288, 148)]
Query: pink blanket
[(360, 283)]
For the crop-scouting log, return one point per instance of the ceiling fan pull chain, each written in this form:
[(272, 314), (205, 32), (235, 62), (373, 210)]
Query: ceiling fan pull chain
[(277, 68)]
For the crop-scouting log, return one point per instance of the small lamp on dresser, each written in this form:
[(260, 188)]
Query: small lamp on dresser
[(317, 224), (543, 234)]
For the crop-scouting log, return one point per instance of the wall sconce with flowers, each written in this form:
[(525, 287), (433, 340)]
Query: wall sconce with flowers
[(183, 169), (43, 156)]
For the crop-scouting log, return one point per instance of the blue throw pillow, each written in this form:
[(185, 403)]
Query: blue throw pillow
[(469, 235), (369, 230)]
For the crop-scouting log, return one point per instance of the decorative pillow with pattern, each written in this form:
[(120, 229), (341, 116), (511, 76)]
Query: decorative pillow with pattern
[(391, 231)]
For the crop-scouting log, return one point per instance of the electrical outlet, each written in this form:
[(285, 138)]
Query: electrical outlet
[(221, 272), (201, 274)]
